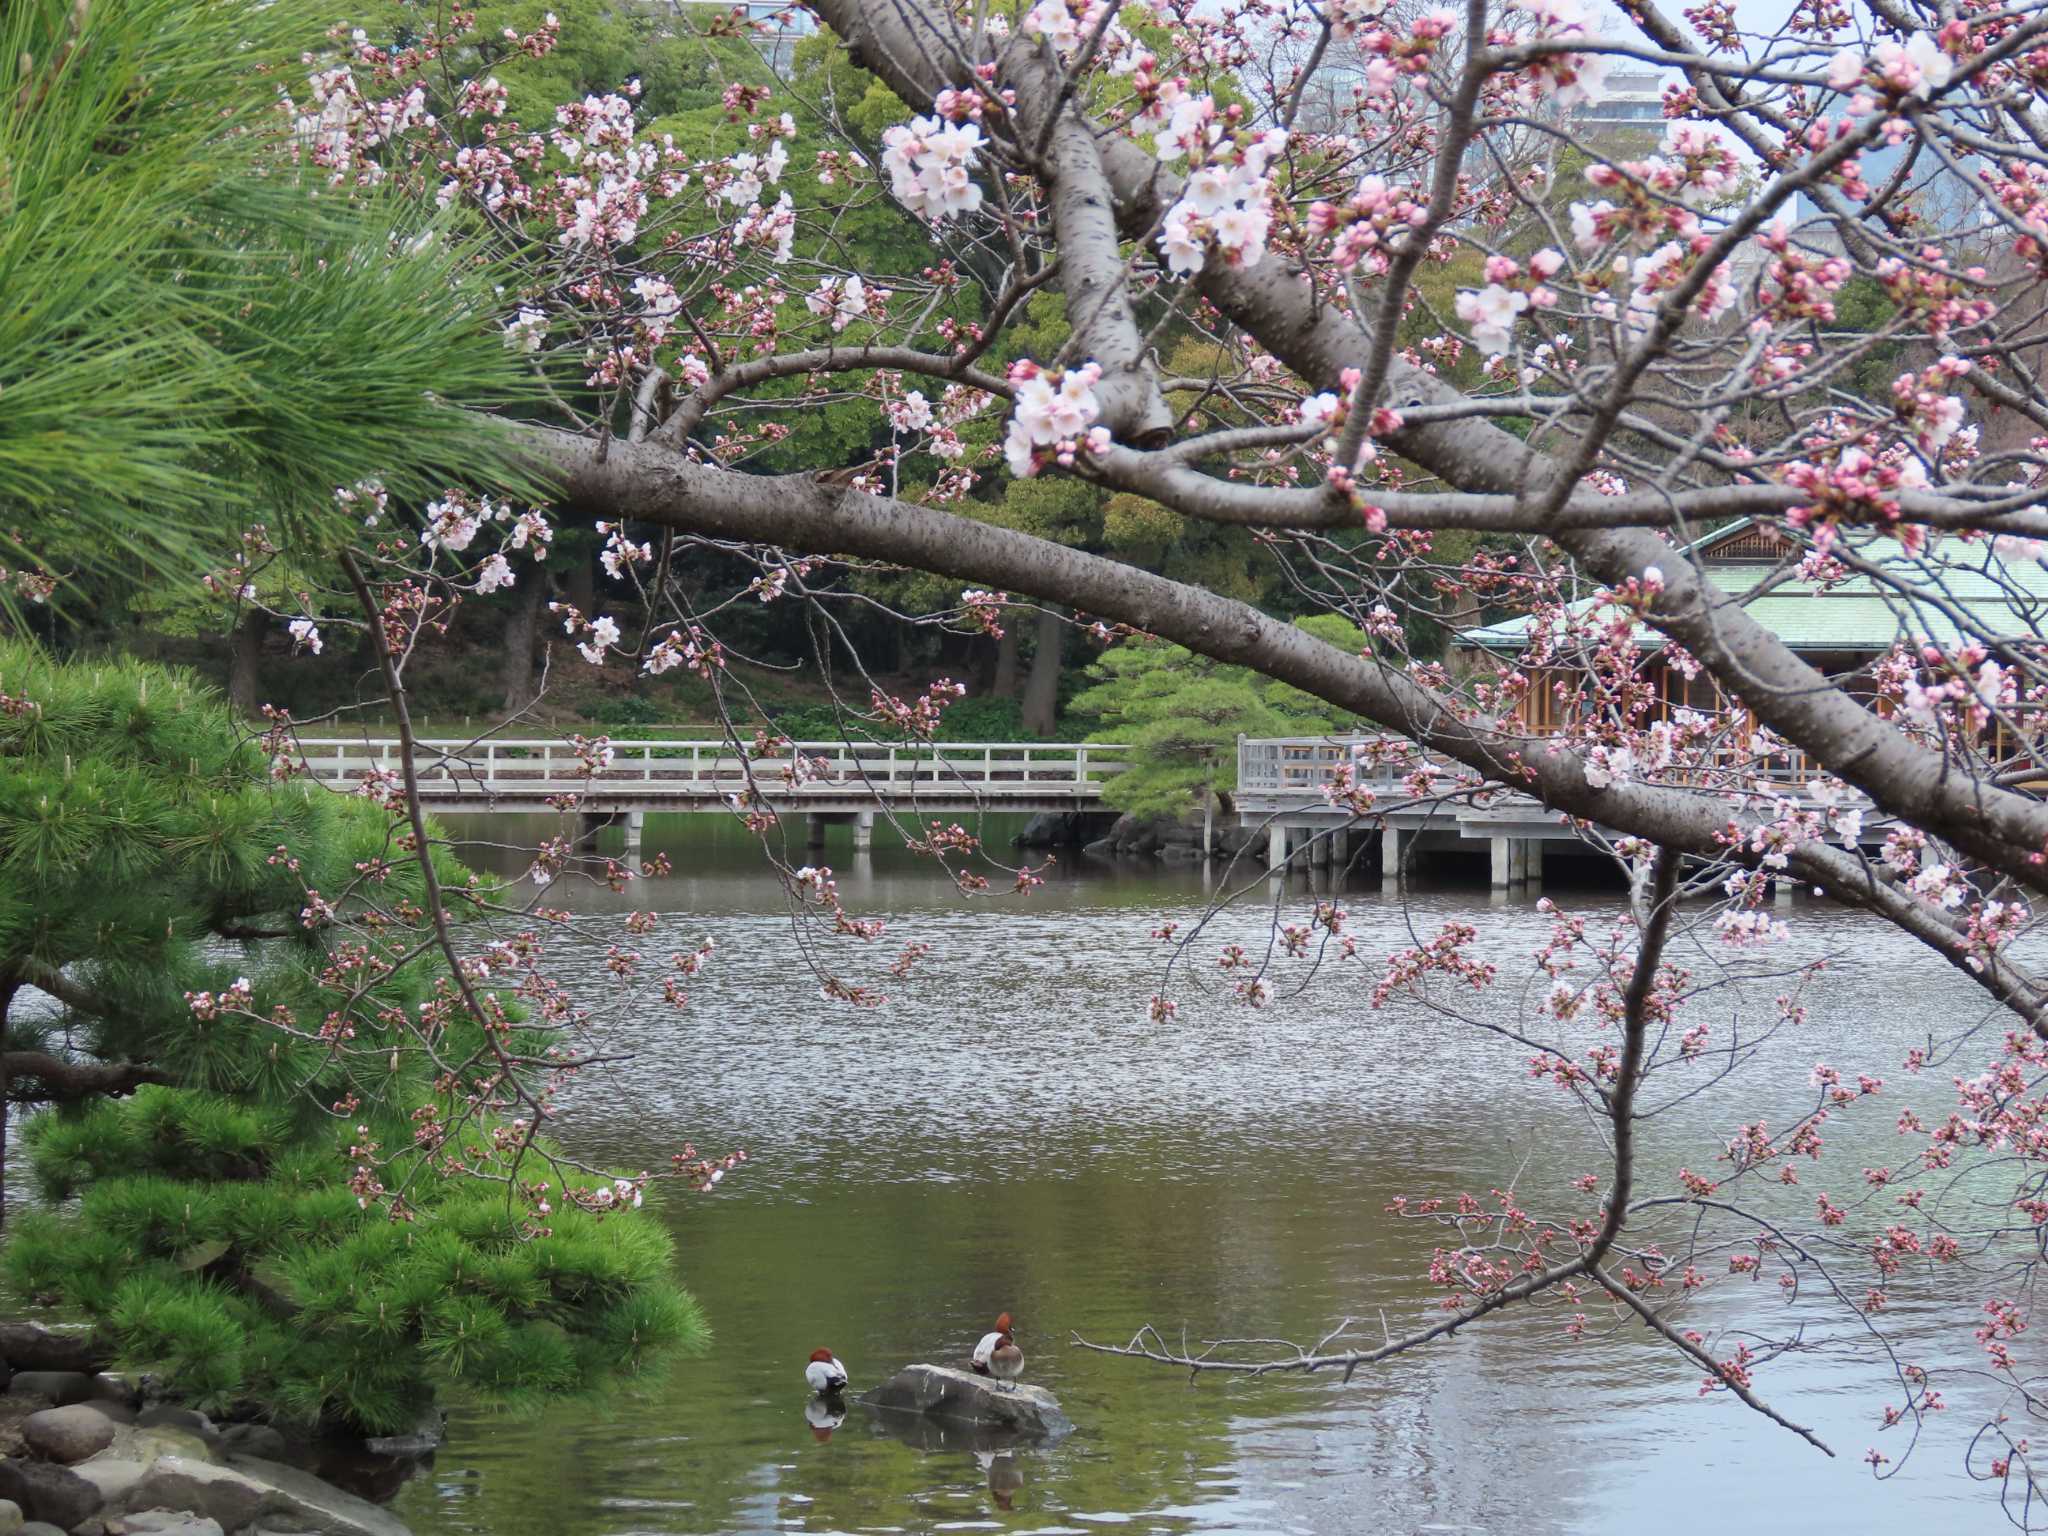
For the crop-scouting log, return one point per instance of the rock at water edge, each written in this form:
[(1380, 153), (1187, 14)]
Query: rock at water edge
[(943, 1392)]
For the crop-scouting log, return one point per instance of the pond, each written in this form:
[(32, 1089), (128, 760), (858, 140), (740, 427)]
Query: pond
[(1013, 1133)]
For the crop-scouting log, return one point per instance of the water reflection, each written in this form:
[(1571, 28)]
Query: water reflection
[(1228, 1174)]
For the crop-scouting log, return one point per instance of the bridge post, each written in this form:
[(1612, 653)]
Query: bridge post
[(636, 822), (1503, 861), (588, 825), (1532, 861), (1340, 850), (1276, 848), (863, 830), (814, 832), (1319, 850), (1393, 843)]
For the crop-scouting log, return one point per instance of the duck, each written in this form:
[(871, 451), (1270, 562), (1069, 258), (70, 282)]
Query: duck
[(987, 1346), (824, 1373), (1006, 1361)]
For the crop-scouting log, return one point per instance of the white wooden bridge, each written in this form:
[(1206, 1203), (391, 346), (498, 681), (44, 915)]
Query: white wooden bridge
[(1281, 782), (830, 781)]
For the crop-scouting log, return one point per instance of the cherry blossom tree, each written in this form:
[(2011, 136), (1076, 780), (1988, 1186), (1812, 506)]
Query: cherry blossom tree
[(1457, 348)]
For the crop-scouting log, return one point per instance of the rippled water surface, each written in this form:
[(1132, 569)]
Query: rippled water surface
[(1013, 1133)]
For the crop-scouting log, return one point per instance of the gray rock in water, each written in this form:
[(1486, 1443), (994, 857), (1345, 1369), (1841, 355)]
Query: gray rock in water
[(114, 1476), (41, 1528), (426, 1436), (254, 1440), (10, 1518), (60, 1387), (299, 1501), (68, 1434), (171, 1416), (961, 1397), (172, 1482), (168, 1522)]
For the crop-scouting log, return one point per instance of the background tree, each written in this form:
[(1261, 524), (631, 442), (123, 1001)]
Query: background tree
[(1183, 713)]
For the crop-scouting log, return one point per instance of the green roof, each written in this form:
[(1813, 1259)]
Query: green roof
[(1920, 603)]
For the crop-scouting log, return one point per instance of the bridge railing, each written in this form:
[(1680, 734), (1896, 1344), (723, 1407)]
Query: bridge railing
[(541, 765), (1282, 765)]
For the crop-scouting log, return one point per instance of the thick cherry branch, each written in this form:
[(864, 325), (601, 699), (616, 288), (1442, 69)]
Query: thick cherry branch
[(799, 512)]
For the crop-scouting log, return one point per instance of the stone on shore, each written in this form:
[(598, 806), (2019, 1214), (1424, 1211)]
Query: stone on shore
[(61, 1388), (980, 1402), (51, 1493), (11, 1521), (68, 1434), (32, 1347)]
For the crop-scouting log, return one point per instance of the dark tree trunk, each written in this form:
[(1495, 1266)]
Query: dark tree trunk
[(1005, 684), (1042, 687), (245, 655), (582, 583), (522, 626)]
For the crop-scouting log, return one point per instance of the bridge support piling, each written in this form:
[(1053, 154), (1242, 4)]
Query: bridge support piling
[(1516, 861), (1393, 849), (814, 832), (588, 825), (863, 831), (1340, 852), (1276, 848), (636, 824), (1319, 849)]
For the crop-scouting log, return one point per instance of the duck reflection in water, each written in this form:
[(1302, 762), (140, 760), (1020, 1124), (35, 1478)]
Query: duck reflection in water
[(1005, 1477), (824, 1414)]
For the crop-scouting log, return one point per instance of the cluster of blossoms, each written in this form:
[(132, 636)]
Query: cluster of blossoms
[(1856, 487), (1916, 68), (693, 649), (1509, 291), (599, 635), (1226, 198), (931, 167), (1563, 80), (1364, 225), (843, 301), (1668, 267), (342, 124), (1054, 417), (232, 998), (1932, 416), (1064, 23), (1696, 165)]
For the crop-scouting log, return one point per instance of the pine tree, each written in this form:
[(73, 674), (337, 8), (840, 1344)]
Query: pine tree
[(150, 872)]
